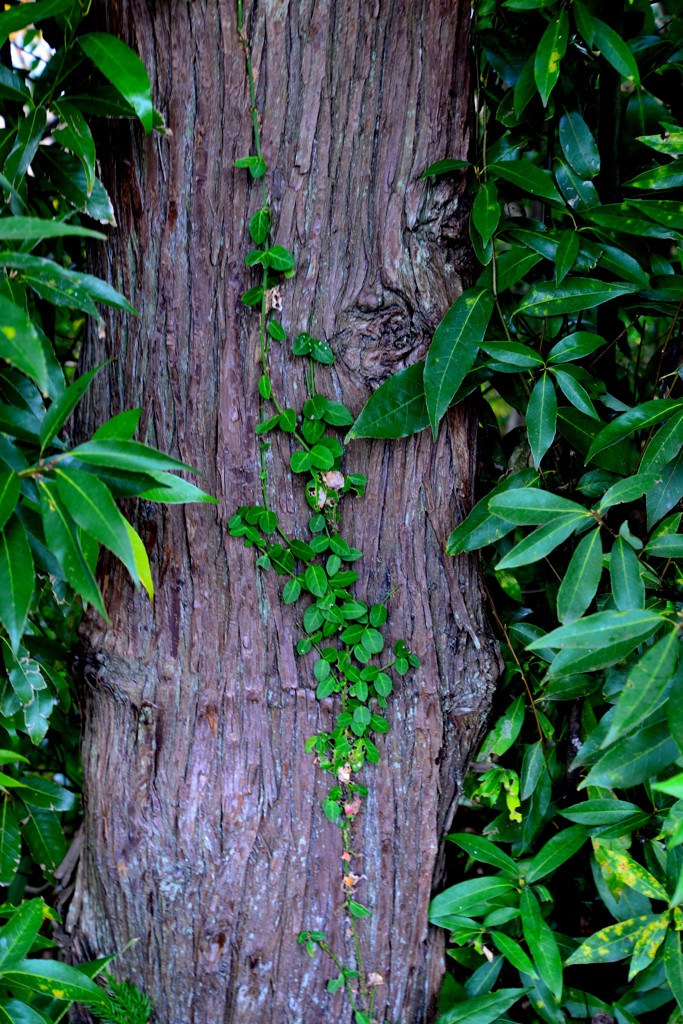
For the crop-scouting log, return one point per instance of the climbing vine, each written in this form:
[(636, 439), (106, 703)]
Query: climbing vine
[(351, 665)]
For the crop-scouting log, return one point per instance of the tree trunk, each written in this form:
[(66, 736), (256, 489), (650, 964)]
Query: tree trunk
[(204, 835)]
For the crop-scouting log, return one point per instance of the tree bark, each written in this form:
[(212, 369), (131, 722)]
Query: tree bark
[(203, 830)]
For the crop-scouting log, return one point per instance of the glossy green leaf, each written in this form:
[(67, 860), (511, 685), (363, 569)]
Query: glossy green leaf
[(551, 50), (130, 455), (10, 842), (10, 486), (576, 345), (572, 296), (634, 758), (580, 195), (513, 353), (18, 578), (44, 836), (481, 524), (17, 1012), (125, 71), (565, 256), (615, 50), (513, 952), (445, 167), (465, 898), (49, 977), (90, 503), (641, 417), (486, 210), (673, 964), (65, 287), (120, 427), (141, 560), (610, 944), (482, 849), (600, 629), (529, 506), (541, 417), (15, 18), (575, 392), (624, 218), (30, 132), (19, 934), (259, 226), (630, 489), (579, 146), (666, 493), (599, 812), (665, 444), (20, 344), (529, 178), (511, 267), (74, 134), (628, 588), (541, 542), (555, 852), (59, 411), (482, 1009), (663, 176), (396, 409), (580, 582), (453, 350), (541, 942), (174, 490)]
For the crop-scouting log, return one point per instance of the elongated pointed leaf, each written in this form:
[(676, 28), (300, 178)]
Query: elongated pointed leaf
[(20, 17), (664, 176), (396, 409), (20, 344), (566, 254), (120, 427), (541, 942), (575, 346), (481, 523), (532, 506), (673, 963), (601, 629), (18, 577), (467, 897), (10, 486), (49, 977), (630, 489), (555, 852), (667, 492), (572, 296), (19, 229), (125, 71), (18, 1012), (513, 952), (453, 350), (130, 455), (634, 758), (59, 412), (644, 687), (541, 418), (610, 944), (62, 538), (65, 287), (486, 210), (579, 146), (174, 490), (18, 935), (580, 583), (482, 1009), (29, 134), (75, 135), (90, 503), (641, 417), (615, 50), (628, 872), (512, 353), (628, 588), (575, 392), (44, 836), (529, 178), (10, 842), (541, 542), (665, 444), (485, 851), (551, 50)]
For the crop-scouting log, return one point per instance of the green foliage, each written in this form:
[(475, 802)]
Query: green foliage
[(351, 667), (580, 243), (57, 499)]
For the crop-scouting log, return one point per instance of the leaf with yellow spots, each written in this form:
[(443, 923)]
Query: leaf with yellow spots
[(55, 979), (550, 52), (633, 875), (647, 943), (610, 944), (18, 935)]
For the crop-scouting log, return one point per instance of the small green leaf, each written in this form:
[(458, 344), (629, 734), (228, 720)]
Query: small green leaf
[(486, 210), (19, 934), (315, 579), (664, 446), (541, 942), (465, 898), (486, 851), (555, 852), (10, 845), (291, 591), (279, 259), (529, 178), (259, 226), (566, 253), (445, 167), (645, 685), (18, 578), (75, 135)]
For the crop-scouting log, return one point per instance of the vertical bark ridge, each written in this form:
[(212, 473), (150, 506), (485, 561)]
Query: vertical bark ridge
[(203, 823)]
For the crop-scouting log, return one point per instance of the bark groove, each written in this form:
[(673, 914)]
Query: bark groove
[(203, 829)]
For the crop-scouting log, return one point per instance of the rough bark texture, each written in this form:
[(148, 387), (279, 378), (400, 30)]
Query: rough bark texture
[(204, 834)]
